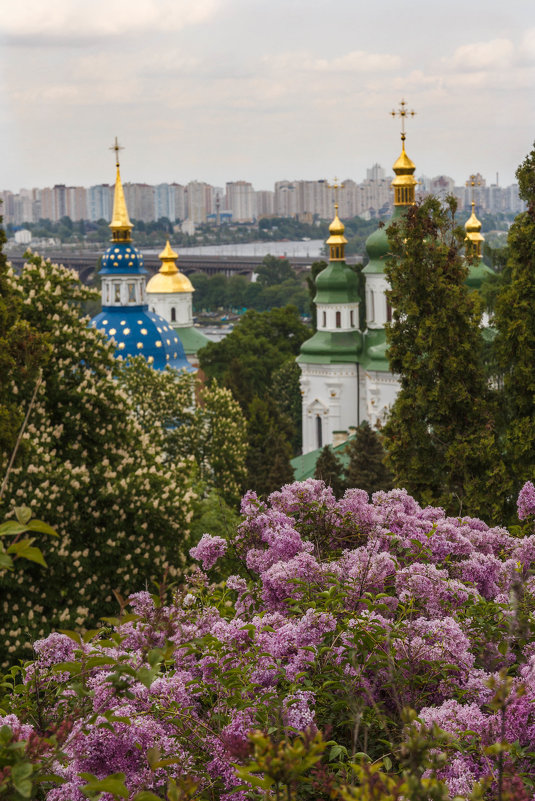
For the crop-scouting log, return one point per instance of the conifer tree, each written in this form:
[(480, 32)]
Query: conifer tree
[(367, 469), (515, 341), (330, 470), (268, 458), (440, 435)]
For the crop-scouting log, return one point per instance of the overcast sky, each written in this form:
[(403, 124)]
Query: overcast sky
[(261, 90)]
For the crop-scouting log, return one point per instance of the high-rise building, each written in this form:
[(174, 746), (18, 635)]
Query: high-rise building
[(241, 201)]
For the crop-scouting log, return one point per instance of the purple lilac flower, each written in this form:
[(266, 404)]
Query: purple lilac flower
[(526, 501), (209, 550)]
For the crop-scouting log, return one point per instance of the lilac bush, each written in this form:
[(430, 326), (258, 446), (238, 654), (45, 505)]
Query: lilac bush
[(338, 615)]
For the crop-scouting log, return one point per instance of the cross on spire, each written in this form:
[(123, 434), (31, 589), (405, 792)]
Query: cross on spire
[(473, 181), (402, 112), (116, 147), (335, 186)]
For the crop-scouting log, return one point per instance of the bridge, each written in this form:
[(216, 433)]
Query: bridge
[(86, 263)]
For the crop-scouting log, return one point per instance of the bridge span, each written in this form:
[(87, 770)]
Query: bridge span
[(86, 263)]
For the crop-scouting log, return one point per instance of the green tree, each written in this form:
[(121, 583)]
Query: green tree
[(329, 469), (268, 458), (315, 270), (287, 396), (274, 270), (439, 437), (367, 469), (90, 470), (515, 341), (245, 360)]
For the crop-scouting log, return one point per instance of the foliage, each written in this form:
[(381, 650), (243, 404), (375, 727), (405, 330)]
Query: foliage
[(274, 271), (245, 360), (367, 469), (22, 548), (315, 270), (269, 454), (329, 469), (287, 395), (359, 650), (238, 293), (90, 470), (184, 417), (515, 340), (439, 437)]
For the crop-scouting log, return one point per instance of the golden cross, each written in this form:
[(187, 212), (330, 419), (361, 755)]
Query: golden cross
[(403, 112), (472, 182), (335, 187), (116, 147)]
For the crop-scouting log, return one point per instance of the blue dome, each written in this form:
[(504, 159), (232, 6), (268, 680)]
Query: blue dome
[(122, 258), (138, 332)]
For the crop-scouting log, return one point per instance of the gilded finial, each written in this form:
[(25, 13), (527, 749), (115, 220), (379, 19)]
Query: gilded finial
[(120, 221), (336, 240), (474, 237), (404, 183)]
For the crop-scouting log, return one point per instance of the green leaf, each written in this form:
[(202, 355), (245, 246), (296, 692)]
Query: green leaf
[(146, 795), (42, 528), (22, 770), (23, 514), (24, 788), (6, 562), (11, 528), (387, 762), (24, 550)]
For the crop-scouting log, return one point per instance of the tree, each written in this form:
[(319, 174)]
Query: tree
[(439, 437), (287, 396), (330, 470), (274, 271), (515, 341), (90, 470), (268, 457), (315, 270), (367, 469), (259, 344)]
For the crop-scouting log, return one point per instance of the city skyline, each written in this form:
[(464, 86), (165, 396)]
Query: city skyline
[(261, 89)]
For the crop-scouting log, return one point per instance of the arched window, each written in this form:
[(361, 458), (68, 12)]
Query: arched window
[(338, 319), (324, 319), (352, 318), (319, 432), (173, 314)]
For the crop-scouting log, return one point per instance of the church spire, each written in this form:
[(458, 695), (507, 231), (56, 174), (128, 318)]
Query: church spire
[(404, 183), (474, 237), (120, 222), (336, 240)]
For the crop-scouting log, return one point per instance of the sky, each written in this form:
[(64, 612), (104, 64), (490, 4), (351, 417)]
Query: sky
[(262, 90)]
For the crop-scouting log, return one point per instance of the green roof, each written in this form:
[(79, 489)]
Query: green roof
[(305, 465), (192, 339), (337, 283), (377, 246), (477, 274), (374, 352), (331, 347)]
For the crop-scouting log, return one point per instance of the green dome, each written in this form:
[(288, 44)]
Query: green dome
[(477, 274), (378, 247), (331, 347), (337, 283), (375, 347)]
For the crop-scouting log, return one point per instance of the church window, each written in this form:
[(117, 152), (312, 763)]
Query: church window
[(319, 432), (352, 318), (338, 319), (107, 293), (173, 314), (117, 293), (131, 293), (325, 319), (371, 310)]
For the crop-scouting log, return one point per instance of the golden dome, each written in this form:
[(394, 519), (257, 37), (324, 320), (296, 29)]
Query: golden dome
[(474, 237), (336, 229), (404, 183), (472, 225), (169, 279)]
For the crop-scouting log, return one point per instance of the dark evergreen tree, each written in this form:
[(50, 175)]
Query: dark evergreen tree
[(367, 469), (515, 340), (440, 435), (268, 458), (329, 469), (287, 395)]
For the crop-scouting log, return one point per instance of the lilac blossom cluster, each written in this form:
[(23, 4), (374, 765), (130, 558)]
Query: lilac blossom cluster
[(335, 608)]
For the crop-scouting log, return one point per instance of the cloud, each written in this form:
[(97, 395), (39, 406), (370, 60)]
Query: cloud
[(354, 61), (495, 54), (78, 19)]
